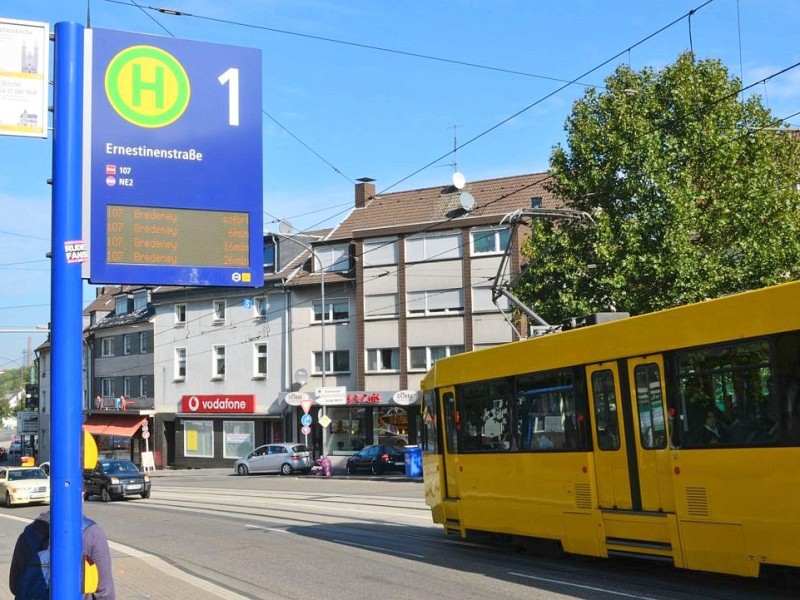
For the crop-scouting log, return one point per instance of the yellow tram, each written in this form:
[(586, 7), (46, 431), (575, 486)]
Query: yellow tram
[(672, 435)]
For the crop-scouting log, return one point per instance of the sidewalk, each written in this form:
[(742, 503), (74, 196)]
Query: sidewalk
[(137, 576)]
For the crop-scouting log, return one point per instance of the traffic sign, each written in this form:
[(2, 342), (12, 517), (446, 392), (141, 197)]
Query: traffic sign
[(173, 161), (306, 420), (305, 430), (306, 405)]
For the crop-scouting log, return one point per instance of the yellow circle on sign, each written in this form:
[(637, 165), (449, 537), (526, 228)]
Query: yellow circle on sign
[(147, 86)]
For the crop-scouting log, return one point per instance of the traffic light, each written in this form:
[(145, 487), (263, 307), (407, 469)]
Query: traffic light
[(32, 397)]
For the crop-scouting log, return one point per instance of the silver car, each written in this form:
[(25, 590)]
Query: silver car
[(276, 458)]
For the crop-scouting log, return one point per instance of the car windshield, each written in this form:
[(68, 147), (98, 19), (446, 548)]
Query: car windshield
[(119, 466), (26, 474)]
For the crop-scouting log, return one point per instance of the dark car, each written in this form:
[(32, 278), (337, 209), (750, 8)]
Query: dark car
[(115, 478), (377, 459)]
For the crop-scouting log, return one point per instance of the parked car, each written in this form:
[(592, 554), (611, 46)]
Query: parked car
[(23, 485), (115, 478), (377, 459), (45, 466), (276, 458), (2, 453)]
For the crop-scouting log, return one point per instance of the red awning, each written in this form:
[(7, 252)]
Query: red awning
[(122, 425)]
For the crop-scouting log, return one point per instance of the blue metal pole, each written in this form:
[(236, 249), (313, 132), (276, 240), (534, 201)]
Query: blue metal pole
[(66, 305)]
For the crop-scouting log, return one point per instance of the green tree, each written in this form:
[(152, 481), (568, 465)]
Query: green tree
[(692, 190)]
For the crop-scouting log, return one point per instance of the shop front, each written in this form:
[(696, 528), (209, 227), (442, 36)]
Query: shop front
[(215, 430), (355, 419), (121, 436)]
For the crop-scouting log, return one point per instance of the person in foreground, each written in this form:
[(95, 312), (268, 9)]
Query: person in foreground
[(29, 575)]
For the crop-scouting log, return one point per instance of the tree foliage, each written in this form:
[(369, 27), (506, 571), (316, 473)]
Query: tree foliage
[(692, 190)]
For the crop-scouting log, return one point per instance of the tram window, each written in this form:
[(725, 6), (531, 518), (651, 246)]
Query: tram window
[(485, 417), (430, 439), (545, 416), (606, 418), (649, 402), (727, 396)]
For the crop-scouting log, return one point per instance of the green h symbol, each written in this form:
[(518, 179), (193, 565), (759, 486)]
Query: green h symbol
[(156, 86)]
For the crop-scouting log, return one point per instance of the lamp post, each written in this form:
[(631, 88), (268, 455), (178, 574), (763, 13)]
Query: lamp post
[(321, 293)]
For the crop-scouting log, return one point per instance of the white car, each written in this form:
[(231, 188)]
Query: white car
[(23, 485)]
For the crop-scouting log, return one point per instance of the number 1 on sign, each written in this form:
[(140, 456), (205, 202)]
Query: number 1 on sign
[(231, 77)]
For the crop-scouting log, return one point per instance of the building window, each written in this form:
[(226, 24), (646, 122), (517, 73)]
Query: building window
[(381, 305), (107, 387), (126, 344), (239, 438), (142, 342), (333, 258), (107, 346), (423, 357), (490, 241), (269, 257), (140, 300), (219, 311), (126, 387), (482, 300), (180, 364), (198, 439), (433, 302), (383, 359), (433, 247), (380, 252), (260, 360), (180, 314), (335, 310), (218, 368), (144, 390), (121, 305), (337, 361), (261, 306)]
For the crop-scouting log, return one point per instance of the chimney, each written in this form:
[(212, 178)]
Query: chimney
[(365, 189)]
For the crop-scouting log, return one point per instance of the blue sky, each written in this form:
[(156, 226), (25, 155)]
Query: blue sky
[(387, 114)]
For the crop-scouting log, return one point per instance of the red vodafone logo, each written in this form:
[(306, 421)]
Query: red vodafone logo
[(242, 403)]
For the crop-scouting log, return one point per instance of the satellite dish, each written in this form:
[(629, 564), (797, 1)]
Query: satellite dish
[(459, 181), (301, 376), (467, 201), (285, 227)]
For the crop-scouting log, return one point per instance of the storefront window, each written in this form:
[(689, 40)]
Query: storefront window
[(348, 431), (391, 425), (239, 438), (198, 439)]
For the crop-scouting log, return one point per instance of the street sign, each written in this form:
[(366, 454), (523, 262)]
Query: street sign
[(28, 423), (306, 405), (172, 168), (305, 430), (330, 396), (306, 420)]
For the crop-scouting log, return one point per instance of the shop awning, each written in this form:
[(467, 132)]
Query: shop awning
[(121, 425)]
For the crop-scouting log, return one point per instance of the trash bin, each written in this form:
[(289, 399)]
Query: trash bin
[(27, 461), (413, 460)]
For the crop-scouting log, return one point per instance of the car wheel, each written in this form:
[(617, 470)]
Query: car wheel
[(376, 469), (242, 470), (105, 495), (351, 469), (86, 495), (286, 469), (146, 495), (8, 500)]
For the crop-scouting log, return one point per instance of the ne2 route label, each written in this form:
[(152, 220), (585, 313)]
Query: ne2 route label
[(173, 161)]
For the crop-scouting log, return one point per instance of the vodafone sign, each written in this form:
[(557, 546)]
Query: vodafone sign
[(244, 403)]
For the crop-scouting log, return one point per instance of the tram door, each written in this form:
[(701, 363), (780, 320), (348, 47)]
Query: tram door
[(611, 458), (452, 423), (646, 380)]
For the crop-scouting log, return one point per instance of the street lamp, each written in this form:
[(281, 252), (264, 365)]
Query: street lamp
[(321, 293)]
